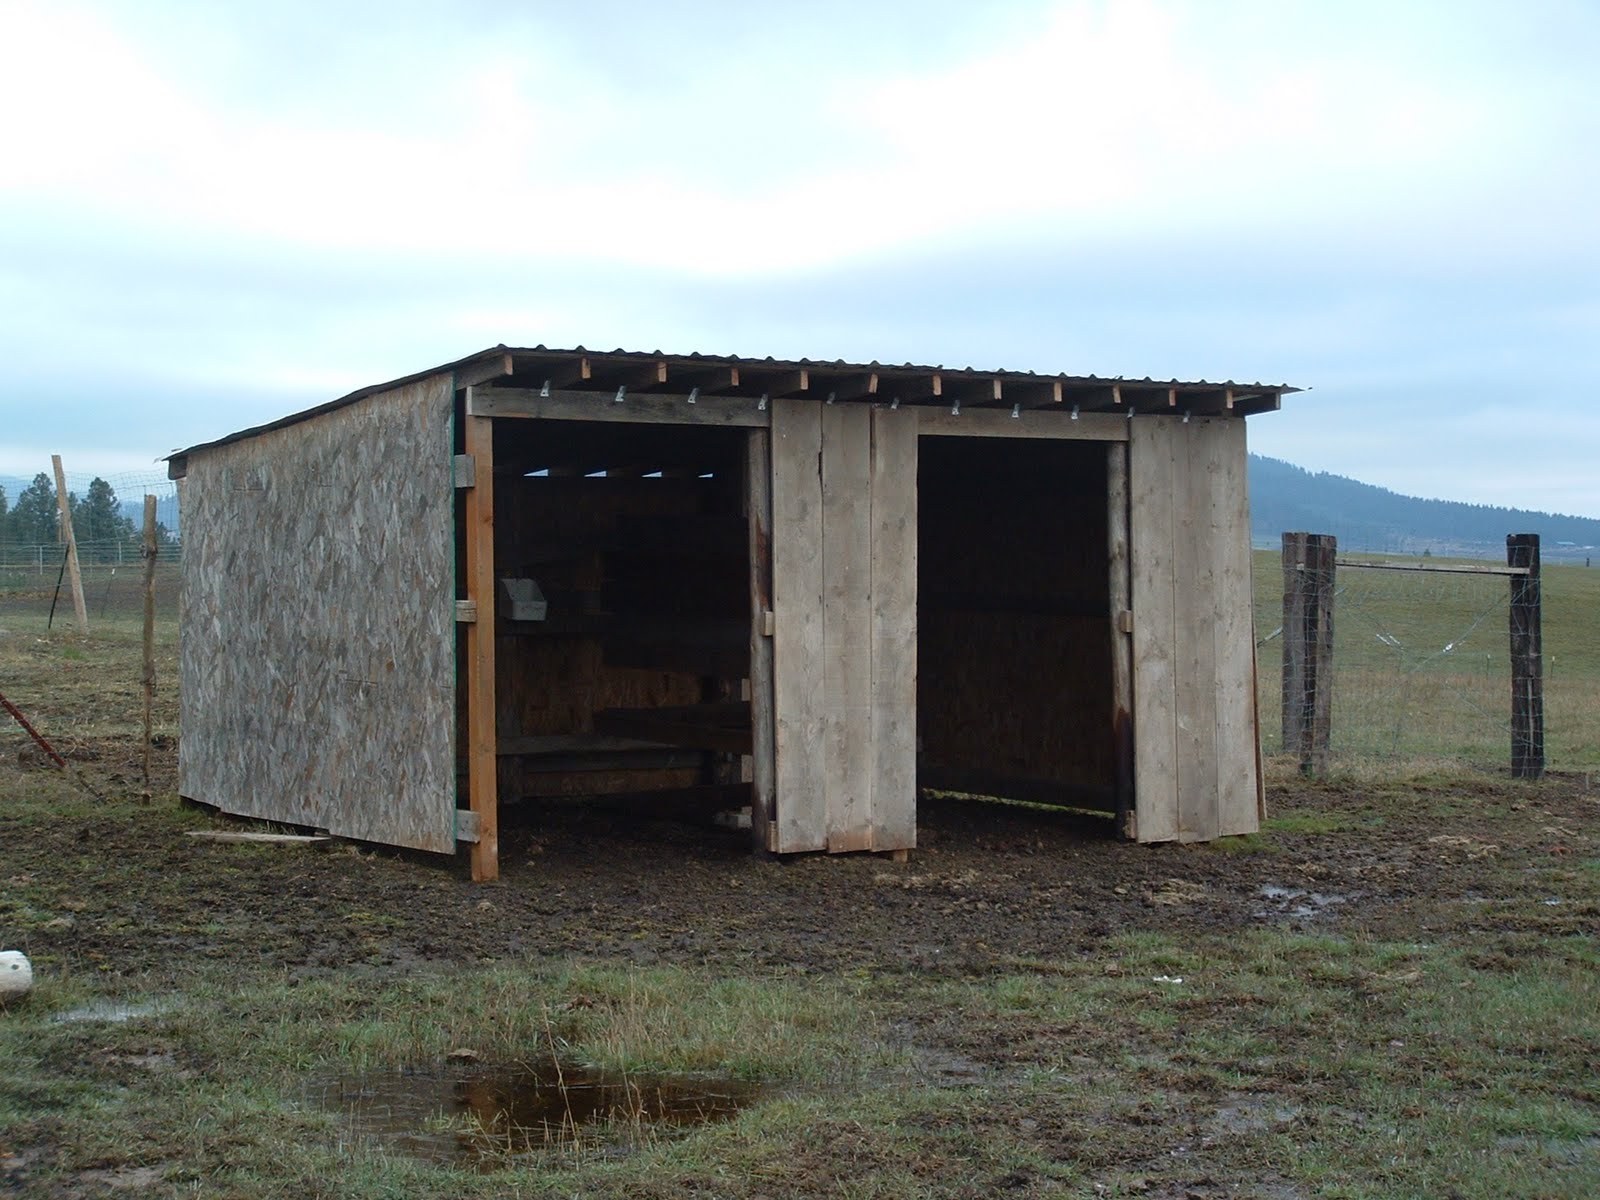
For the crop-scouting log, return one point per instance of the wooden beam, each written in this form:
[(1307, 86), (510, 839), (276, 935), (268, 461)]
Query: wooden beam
[(483, 787), (777, 383), (646, 408), (979, 781), (971, 389), (562, 372), (1044, 393), (848, 387), (758, 510), (630, 373), (1443, 569), (1120, 588), (938, 421), (241, 837), (483, 370)]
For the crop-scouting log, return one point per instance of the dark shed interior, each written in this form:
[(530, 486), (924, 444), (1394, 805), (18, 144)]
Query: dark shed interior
[(1014, 692), (631, 678)]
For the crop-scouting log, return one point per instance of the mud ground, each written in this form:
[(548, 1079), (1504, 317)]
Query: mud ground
[(989, 887)]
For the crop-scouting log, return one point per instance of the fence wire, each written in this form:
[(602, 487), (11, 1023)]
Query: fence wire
[(1422, 668), (107, 519)]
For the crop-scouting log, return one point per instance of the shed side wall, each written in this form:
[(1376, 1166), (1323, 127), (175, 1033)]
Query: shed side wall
[(317, 666), (1195, 764)]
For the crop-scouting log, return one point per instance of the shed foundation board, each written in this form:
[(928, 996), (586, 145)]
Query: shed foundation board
[(1196, 770), (316, 664)]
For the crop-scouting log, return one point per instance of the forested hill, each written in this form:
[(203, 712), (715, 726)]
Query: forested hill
[(1363, 517)]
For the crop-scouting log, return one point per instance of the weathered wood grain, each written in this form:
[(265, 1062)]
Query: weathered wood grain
[(797, 644), (1152, 519), (847, 624), (893, 588), (758, 512), (1238, 733)]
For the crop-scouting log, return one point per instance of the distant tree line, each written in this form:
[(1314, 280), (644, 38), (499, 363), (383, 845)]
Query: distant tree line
[(1364, 517), (98, 522)]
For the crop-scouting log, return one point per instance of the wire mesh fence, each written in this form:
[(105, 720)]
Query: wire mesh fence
[(1422, 669), (107, 520)]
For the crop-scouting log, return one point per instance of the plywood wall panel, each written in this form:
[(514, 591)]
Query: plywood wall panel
[(317, 657)]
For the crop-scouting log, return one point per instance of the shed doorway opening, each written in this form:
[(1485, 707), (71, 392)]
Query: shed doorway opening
[(622, 614), (1015, 621)]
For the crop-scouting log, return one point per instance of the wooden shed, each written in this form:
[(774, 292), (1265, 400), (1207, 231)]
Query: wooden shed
[(812, 588)]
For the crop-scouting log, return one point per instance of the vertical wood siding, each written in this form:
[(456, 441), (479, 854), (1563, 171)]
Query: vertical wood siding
[(1193, 635), (844, 649)]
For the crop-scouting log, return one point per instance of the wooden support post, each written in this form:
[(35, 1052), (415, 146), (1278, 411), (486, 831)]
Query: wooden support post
[(72, 545), (148, 678), (483, 788), (1527, 659), (1120, 588), (1308, 570), (758, 508)]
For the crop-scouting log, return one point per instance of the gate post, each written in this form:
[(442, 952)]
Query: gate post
[(1527, 659), (1308, 568)]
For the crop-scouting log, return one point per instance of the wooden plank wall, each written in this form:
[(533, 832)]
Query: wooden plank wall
[(1196, 772), (317, 672), (797, 639), (844, 648)]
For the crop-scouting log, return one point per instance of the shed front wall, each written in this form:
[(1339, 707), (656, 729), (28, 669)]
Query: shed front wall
[(317, 664), (844, 587), (1196, 770)]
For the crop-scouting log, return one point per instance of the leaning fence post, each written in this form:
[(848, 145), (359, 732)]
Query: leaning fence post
[(1308, 567), (1527, 673)]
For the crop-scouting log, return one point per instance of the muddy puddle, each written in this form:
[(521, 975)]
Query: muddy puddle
[(474, 1114), (1297, 904)]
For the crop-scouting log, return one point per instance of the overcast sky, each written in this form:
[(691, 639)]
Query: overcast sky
[(213, 214)]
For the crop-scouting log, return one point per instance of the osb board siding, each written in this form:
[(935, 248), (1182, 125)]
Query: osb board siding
[(1014, 645), (1195, 761), (580, 539), (317, 667)]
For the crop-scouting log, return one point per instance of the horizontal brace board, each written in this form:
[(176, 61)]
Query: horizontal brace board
[(974, 781), (1461, 569), (1029, 423), (642, 407)]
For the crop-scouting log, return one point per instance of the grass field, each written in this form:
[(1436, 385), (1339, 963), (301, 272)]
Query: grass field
[(1390, 992), (1422, 674)]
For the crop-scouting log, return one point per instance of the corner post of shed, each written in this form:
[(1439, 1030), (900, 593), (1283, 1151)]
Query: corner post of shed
[(758, 512), (1527, 658), (1120, 590), (482, 743)]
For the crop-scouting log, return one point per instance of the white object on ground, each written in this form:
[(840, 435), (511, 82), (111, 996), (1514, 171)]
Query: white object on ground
[(16, 974)]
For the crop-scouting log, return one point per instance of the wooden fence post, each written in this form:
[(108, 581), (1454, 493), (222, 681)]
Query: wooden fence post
[(1308, 571), (78, 606), (148, 550), (1527, 660)]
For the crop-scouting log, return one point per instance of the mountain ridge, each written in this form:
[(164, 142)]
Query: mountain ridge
[(1366, 517)]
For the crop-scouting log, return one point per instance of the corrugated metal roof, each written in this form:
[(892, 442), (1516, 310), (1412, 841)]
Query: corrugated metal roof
[(604, 371)]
